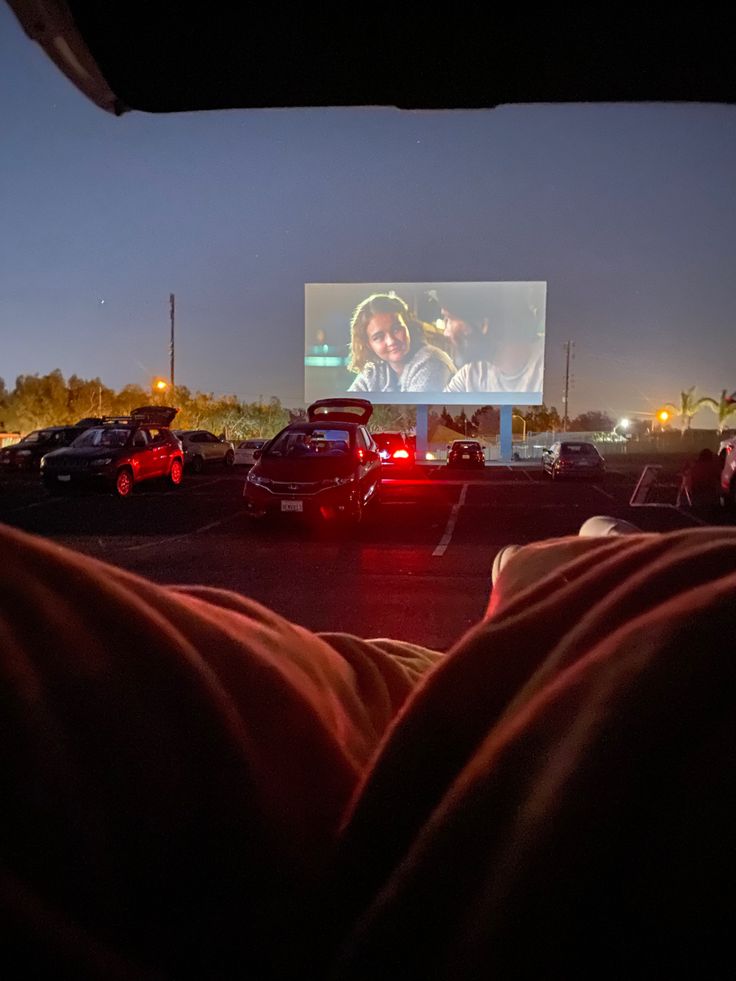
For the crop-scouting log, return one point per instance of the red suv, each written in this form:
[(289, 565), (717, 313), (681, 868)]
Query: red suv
[(119, 453), (326, 467)]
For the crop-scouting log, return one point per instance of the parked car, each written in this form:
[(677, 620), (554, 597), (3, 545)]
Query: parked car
[(327, 467), (119, 453), (202, 448), (573, 459), (394, 450), (465, 453), (27, 454), (245, 449)]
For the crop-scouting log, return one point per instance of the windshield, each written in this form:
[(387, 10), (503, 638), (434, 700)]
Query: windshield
[(112, 438), (311, 443), (579, 449), (40, 436)]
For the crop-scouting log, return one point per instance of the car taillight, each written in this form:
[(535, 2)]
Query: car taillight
[(401, 455), (360, 455)]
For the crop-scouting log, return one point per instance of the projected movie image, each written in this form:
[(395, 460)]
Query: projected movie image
[(426, 343)]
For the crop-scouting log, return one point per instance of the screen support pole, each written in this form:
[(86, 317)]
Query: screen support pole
[(422, 432), (506, 437)]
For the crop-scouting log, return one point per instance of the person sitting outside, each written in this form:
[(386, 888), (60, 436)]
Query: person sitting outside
[(702, 480)]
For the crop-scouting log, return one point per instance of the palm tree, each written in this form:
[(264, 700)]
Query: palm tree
[(724, 408), (689, 405)]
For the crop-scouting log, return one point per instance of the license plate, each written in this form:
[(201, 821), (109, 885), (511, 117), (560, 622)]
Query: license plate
[(466, 456), (63, 476), (292, 505)]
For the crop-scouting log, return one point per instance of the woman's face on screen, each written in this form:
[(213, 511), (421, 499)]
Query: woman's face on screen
[(388, 338)]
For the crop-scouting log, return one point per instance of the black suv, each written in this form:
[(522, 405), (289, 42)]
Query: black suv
[(27, 454), (396, 453), (119, 453), (327, 467)]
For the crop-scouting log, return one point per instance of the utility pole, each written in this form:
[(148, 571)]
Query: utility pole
[(171, 344), (566, 396)]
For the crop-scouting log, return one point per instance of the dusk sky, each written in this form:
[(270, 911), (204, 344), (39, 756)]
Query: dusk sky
[(627, 212)]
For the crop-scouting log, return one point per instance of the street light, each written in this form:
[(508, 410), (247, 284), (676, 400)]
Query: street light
[(159, 386), (514, 415), (623, 423)]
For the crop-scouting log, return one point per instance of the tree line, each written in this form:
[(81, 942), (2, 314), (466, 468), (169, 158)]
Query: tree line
[(51, 400), (37, 401)]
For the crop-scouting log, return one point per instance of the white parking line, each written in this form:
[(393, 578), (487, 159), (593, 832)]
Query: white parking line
[(528, 475), (605, 493), (179, 538), (447, 537), (692, 517)]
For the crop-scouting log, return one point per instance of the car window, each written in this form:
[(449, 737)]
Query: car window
[(578, 449), (140, 438), (112, 438), (40, 436)]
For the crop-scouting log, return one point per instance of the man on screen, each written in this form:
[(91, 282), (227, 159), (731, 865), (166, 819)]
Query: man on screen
[(389, 352), (499, 350)]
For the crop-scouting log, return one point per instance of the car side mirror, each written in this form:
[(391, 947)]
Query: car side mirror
[(256, 454)]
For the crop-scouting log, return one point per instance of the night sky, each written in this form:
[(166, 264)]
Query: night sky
[(628, 212)]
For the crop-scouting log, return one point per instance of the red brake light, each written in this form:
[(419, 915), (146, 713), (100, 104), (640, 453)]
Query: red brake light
[(401, 455), (360, 454)]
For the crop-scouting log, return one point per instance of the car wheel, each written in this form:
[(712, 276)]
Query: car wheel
[(54, 487), (197, 464), (229, 458), (124, 482), (176, 473)]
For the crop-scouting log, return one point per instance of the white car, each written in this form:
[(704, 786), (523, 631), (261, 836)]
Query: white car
[(245, 449), (202, 448)]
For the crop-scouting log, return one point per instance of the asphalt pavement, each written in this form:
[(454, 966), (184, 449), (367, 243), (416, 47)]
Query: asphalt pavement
[(418, 568)]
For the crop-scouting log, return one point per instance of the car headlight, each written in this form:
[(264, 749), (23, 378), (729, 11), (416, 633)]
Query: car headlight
[(101, 461), (255, 478)]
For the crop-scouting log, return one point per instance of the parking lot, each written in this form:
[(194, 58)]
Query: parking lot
[(417, 568)]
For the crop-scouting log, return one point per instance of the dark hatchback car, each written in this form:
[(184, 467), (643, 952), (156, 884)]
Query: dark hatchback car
[(573, 459), (119, 453), (327, 467), (27, 454), (395, 451), (466, 453)]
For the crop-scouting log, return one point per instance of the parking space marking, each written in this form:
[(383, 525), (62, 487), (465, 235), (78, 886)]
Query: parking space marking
[(451, 521), (36, 504), (528, 475), (179, 538), (605, 493), (687, 514)]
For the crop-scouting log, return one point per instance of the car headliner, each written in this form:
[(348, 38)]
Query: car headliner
[(139, 54)]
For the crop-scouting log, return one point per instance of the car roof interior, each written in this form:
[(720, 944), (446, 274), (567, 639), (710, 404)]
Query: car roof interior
[(142, 55)]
